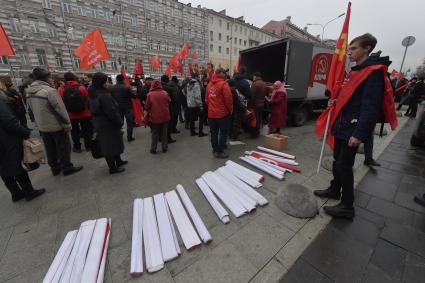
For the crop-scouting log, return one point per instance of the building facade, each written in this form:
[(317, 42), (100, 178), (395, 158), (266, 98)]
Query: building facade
[(228, 36), (286, 28), (46, 32)]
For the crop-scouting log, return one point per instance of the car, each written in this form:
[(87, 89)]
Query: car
[(418, 136)]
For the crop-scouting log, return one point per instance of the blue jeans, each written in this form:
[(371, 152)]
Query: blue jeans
[(129, 119), (219, 129)]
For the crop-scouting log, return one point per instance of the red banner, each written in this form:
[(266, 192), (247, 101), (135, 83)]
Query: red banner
[(92, 50), (138, 69), (6, 48), (319, 70), (155, 62), (184, 52)]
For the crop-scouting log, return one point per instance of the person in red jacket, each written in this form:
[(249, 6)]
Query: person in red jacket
[(219, 100), (158, 115), (278, 105), (75, 98)]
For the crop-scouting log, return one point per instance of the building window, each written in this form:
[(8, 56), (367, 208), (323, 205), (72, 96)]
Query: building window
[(41, 55), (211, 48), (3, 60), (219, 49), (46, 4), (246, 31), (150, 44), (16, 25), (236, 28), (235, 51), (114, 65), (227, 38), (244, 43), (102, 65), (132, 2), (80, 11), (77, 63), (211, 35), (24, 59), (157, 25), (240, 41), (236, 40), (211, 20), (228, 26), (148, 23), (227, 50), (158, 45), (35, 28), (66, 6), (118, 19), (52, 30), (181, 31), (219, 22), (59, 60), (219, 36), (134, 21), (93, 13), (240, 30)]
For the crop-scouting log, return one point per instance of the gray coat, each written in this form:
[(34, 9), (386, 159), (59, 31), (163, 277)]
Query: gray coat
[(194, 98), (107, 122), (12, 134)]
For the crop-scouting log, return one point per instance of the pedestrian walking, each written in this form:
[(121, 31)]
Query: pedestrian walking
[(158, 115), (357, 109), (107, 122), (75, 97), (53, 122), (219, 100), (12, 134), (123, 95), (278, 104)]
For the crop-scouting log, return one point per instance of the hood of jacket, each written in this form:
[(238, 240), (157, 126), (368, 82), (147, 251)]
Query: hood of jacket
[(373, 60), (36, 86), (216, 78), (156, 85)]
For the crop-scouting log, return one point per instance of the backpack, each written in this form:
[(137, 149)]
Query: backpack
[(73, 99)]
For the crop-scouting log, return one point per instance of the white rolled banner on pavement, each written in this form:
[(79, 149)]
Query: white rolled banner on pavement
[(221, 212), (151, 241), (257, 176), (275, 152), (264, 168), (136, 266)]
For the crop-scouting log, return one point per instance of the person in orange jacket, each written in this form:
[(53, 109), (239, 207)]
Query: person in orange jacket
[(219, 101)]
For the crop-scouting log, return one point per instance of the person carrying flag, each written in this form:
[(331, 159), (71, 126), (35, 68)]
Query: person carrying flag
[(364, 97)]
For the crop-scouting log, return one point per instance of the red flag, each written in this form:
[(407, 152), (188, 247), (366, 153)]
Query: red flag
[(92, 50), (168, 71), (138, 69), (337, 69), (124, 74), (394, 73), (155, 62), (180, 68), (174, 62), (6, 48), (184, 52), (195, 55)]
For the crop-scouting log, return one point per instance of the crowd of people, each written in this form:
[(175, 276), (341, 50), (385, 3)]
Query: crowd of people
[(92, 111)]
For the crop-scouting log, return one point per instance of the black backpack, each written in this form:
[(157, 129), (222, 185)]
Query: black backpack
[(73, 99)]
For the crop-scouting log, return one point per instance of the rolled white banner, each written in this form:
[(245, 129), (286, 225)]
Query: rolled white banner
[(272, 166), (153, 254), (136, 266), (274, 157), (275, 152), (257, 176), (264, 168), (221, 212), (101, 274)]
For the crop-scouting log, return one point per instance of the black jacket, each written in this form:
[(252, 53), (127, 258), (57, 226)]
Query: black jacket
[(12, 134), (359, 116), (122, 95), (242, 85), (418, 91)]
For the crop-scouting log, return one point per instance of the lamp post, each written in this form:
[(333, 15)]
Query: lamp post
[(324, 25)]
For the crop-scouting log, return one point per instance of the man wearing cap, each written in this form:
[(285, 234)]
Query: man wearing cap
[(259, 91), (219, 101), (53, 122)]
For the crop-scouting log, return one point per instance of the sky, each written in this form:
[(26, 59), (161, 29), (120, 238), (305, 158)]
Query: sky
[(388, 20)]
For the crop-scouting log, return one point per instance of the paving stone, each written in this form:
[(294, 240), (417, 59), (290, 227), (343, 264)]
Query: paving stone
[(370, 216), (359, 229), (302, 272), (389, 258), (293, 249), (414, 270), (406, 200), (404, 236), (4, 240), (378, 188), (32, 275), (361, 199), (390, 210), (119, 259), (162, 276), (405, 169), (412, 185), (375, 274), (328, 253), (419, 222), (223, 264), (261, 240), (384, 175), (272, 272)]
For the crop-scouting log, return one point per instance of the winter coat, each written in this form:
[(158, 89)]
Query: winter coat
[(418, 91), (107, 122), (49, 111), (242, 85), (157, 104), (173, 91), (218, 97), (80, 115), (259, 91), (122, 95), (12, 134), (360, 114), (194, 97), (278, 105)]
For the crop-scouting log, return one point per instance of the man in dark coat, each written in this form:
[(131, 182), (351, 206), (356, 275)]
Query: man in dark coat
[(123, 95), (418, 90), (242, 84), (355, 121), (176, 108), (259, 91), (173, 104), (15, 178)]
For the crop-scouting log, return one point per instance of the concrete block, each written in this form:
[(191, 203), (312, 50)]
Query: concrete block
[(272, 272)]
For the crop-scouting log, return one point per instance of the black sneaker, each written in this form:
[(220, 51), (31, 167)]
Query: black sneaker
[(202, 135), (72, 170), (221, 155), (116, 170), (153, 151), (327, 194), (420, 200), (34, 193), (18, 196), (175, 131), (340, 210), (371, 162), (193, 133), (56, 171), (171, 141), (131, 139), (121, 163), (77, 150)]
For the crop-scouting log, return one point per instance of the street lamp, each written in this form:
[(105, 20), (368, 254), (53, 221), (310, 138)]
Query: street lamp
[(324, 26)]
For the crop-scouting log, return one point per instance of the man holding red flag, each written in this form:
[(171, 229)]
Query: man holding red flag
[(364, 97)]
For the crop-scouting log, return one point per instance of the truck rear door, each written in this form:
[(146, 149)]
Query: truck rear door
[(299, 62)]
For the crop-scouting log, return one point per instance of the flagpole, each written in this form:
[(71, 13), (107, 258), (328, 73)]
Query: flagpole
[(12, 73), (325, 137)]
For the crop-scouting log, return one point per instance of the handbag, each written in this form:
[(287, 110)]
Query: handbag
[(96, 150), (33, 154)]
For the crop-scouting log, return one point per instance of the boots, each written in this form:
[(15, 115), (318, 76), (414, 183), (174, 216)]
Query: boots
[(112, 164), (328, 193), (340, 210), (15, 191), (27, 188)]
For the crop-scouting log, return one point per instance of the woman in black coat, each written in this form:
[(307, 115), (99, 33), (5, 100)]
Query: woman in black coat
[(107, 122), (15, 178)]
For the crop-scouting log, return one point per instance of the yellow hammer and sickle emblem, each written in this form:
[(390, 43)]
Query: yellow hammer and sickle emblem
[(341, 51)]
